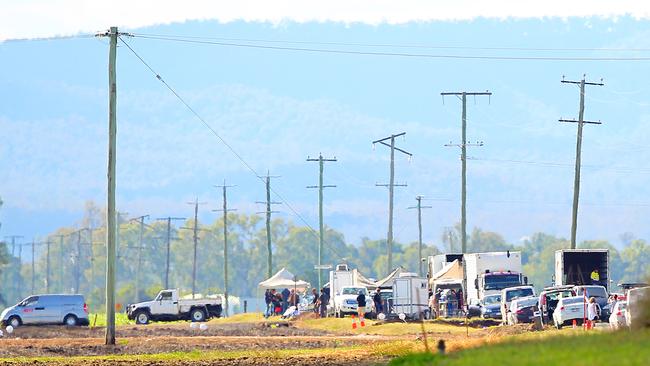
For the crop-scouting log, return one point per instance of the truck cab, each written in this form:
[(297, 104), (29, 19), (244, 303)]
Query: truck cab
[(167, 306)]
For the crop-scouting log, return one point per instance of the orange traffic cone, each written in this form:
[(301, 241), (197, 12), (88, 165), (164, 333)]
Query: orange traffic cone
[(354, 322), (574, 324), (362, 321)]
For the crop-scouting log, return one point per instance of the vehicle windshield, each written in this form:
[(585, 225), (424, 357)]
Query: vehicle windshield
[(501, 281), (492, 300), (354, 291), (522, 292)]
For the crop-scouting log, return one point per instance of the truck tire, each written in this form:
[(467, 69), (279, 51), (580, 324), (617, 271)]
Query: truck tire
[(141, 317), (70, 320), (197, 315)]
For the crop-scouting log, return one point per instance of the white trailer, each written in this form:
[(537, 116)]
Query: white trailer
[(489, 273), (411, 296)]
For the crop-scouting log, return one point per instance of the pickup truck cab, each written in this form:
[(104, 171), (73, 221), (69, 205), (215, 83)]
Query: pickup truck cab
[(168, 307), (345, 302)]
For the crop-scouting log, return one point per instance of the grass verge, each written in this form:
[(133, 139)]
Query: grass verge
[(344, 326), (575, 348)]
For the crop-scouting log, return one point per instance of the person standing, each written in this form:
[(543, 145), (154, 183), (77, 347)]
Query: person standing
[(361, 304), (379, 308), (315, 300), (285, 299), (592, 312), (595, 277), (324, 299), (268, 301)]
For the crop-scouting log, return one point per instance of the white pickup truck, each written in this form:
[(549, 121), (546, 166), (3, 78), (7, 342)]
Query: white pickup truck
[(167, 306)]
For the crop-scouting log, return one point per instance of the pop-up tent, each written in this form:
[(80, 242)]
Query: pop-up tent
[(387, 282), (283, 279), (451, 271)]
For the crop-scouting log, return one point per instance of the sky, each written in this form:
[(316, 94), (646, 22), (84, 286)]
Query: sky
[(288, 97)]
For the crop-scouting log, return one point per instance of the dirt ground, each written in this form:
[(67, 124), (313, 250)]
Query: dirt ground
[(53, 341)]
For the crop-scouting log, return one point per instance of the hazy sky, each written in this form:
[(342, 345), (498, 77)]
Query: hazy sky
[(276, 107)]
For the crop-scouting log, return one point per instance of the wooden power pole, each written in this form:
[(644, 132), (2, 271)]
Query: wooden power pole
[(169, 241), (419, 207), (225, 211), (321, 228), (268, 212), (576, 182), (463, 158), (391, 185)]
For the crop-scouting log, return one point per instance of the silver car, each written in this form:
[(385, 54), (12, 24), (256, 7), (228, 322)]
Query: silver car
[(47, 309)]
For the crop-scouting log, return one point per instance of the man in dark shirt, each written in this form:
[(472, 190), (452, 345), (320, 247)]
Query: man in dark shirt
[(361, 304), (315, 301), (377, 300), (324, 299)]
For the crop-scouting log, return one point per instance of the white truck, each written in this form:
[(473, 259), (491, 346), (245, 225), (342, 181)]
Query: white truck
[(489, 273), (340, 277), (346, 301), (168, 306)]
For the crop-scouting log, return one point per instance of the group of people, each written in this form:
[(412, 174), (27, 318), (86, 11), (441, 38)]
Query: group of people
[(320, 301), (450, 298), (277, 303)]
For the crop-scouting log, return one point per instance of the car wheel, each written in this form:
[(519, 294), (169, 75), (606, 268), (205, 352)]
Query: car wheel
[(197, 315), (14, 321), (141, 317), (70, 320)]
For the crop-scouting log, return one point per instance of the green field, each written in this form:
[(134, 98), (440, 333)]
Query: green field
[(576, 348)]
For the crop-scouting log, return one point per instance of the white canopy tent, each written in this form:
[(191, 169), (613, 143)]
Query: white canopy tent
[(283, 279)]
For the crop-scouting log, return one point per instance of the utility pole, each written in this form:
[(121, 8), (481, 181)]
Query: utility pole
[(268, 213), (576, 181), (140, 220), (169, 236), (391, 186), (33, 265), (20, 267), (419, 207), (225, 240), (321, 230), (463, 158), (111, 227), (196, 239), (77, 276)]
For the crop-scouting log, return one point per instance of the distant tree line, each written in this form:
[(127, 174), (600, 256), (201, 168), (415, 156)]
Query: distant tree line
[(77, 255)]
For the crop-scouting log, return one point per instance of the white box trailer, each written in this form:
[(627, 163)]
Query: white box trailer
[(341, 276), (411, 296), (489, 273), (574, 266)]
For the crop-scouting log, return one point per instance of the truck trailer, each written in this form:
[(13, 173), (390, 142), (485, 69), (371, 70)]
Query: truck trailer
[(574, 267)]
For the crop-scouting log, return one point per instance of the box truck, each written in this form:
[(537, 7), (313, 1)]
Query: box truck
[(574, 267), (489, 273)]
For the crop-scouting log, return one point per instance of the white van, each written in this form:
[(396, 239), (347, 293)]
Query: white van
[(47, 309)]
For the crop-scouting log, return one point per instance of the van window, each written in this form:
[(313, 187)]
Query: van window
[(30, 301)]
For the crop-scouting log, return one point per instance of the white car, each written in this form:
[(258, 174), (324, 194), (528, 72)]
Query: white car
[(568, 309), (511, 293), (346, 301), (617, 319)]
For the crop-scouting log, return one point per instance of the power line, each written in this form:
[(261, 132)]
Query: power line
[(232, 150), (394, 45), (394, 54)]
